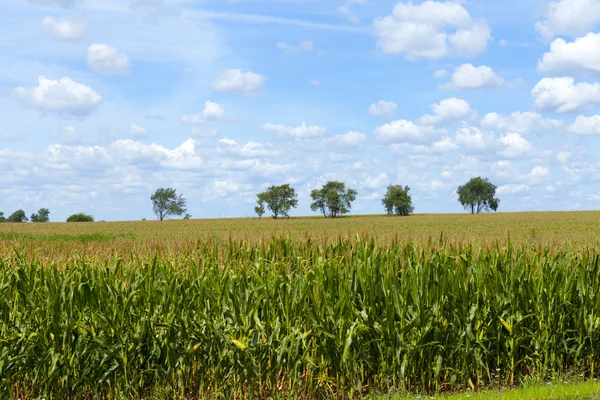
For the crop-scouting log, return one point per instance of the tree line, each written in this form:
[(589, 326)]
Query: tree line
[(43, 215), (334, 199)]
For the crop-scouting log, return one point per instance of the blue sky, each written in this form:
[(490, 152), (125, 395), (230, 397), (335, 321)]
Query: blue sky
[(104, 101)]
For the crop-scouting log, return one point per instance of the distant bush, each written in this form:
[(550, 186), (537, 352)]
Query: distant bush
[(81, 217)]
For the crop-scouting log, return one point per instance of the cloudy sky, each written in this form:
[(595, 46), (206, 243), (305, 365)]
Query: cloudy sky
[(104, 101)]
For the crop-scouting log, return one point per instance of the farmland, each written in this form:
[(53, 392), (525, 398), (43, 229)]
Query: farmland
[(304, 307)]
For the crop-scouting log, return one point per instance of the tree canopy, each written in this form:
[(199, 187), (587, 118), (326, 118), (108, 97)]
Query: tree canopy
[(2, 217), (397, 201), (18, 216), (166, 202), (333, 199), (477, 195), (278, 199), (81, 217), (43, 215)]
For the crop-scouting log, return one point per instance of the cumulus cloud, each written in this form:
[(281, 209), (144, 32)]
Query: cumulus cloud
[(234, 80), (345, 10), (303, 131), (586, 125), (439, 146), (562, 95), (580, 57), (403, 131), (447, 110), (349, 139), (474, 139), (512, 189), (440, 73), (520, 122), (569, 17), (137, 130), (537, 175), (514, 145), (382, 108), (212, 112), (248, 150), (375, 182), (61, 96), (431, 30), (64, 29), (106, 59), (467, 76)]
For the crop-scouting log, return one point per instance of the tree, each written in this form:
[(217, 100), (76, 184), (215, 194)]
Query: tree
[(187, 216), (18, 216), (279, 199), (2, 218), (81, 217), (333, 199), (165, 202), (477, 195), (43, 215), (397, 200), (259, 209)]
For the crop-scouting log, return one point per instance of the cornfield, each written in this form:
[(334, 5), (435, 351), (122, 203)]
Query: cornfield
[(309, 316)]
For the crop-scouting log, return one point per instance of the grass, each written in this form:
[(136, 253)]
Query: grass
[(307, 308), (560, 391)]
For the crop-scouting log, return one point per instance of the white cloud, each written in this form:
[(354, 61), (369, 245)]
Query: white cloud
[(431, 30), (538, 175), (402, 131), (234, 80), (213, 111), (192, 119), (563, 156), (473, 138), (512, 189), (467, 76), (105, 59), (440, 73), (382, 108), (248, 150), (304, 46), (70, 135), (580, 57), (349, 139), (562, 95), (315, 82), (345, 10), (514, 145), (503, 42), (586, 125), (204, 133), (569, 17), (451, 109), (520, 122), (137, 131), (375, 182), (62, 96), (10, 137), (64, 29), (303, 131), (439, 146)]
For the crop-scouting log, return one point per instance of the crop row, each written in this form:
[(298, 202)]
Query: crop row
[(314, 321)]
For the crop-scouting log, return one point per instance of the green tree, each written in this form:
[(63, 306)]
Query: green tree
[(333, 199), (81, 217), (259, 209), (279, 199), (187, 216), (397, 200), (18, 216), (166, 202), (477, 195), (2, 218), (43, 215)]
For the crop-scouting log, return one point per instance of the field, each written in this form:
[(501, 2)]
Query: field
[(306, 308)]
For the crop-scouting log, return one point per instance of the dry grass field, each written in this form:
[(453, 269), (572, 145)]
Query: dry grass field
[(301, 307)]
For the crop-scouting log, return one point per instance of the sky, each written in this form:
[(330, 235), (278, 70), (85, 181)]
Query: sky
[(105, 101)]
